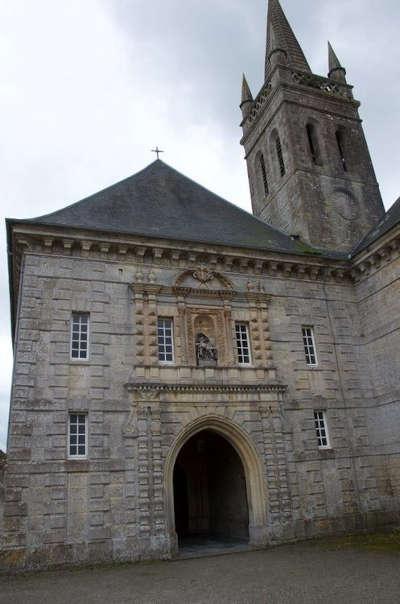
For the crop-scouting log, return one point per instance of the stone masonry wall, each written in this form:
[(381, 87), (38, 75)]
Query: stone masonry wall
[(112, 505), (329, 487), (378, 296)]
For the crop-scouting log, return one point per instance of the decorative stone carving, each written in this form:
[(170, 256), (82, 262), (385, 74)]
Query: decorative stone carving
[(206, 352), (203, 275), (206, 335), (129, 430), (178, 389), (145, 276), (255, 286), (345, 205), (141, 397)]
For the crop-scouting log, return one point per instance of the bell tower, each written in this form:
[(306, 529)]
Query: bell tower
[(308, 162)]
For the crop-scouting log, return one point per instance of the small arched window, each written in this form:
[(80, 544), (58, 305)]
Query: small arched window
[(279, 155), (340, 144), (313, 144), (263, 174)]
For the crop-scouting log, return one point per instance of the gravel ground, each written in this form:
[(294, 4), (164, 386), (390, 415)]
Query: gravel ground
[(295, 573)]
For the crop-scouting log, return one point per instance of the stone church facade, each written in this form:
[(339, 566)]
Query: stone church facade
[(186, 371)]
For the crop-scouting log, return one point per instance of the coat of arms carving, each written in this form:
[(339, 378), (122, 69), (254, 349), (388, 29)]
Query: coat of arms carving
[(203, 275)]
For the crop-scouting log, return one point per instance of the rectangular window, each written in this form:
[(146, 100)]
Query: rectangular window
[(165, 340), (309, 346), (77, 435), (321, 429), (243, 343), (80, 335)]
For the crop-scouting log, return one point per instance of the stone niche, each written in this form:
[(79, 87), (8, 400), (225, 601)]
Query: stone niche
[(204, 306), (205, 341), (206, 336), (207, 326)]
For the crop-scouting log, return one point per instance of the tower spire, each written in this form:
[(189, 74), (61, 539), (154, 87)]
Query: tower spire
[(282, 44), (336, 71), (247, 99), (309, 167)]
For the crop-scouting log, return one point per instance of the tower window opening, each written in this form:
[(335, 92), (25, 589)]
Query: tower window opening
[(313, 144), (279, 155), (264, 174), (340, 144)]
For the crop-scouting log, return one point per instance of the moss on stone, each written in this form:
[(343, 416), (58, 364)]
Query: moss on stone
[(384, 541)]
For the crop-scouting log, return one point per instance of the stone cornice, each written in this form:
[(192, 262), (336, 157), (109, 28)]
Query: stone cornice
[(186, 292), (154, 388), (180, 254), (379, 253), (253, 262)]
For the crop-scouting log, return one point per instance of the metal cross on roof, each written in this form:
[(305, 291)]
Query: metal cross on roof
[(158, 151)]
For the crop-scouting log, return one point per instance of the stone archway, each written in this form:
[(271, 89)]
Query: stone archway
[(252, 465), (210, 497)]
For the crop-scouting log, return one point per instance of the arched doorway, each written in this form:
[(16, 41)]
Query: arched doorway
[(252, 464), (210, 495)]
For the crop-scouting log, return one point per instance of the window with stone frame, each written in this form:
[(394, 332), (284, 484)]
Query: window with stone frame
[(79, 349), (313, 144), (165, 339), (77, 435), (309, 345), (321, 429), (264, 177), (243, 343), (340, 141), (279, 155)]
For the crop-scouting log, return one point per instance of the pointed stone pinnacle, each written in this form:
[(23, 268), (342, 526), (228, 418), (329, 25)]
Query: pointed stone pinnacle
[(246, 92), (336, 71), (246, 104), (282, 40), (334, 62)]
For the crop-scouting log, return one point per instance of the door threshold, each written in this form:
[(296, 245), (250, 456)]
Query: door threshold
[(209, 547)]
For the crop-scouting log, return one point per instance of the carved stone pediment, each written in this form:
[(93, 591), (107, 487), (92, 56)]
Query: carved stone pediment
[(203, 278)]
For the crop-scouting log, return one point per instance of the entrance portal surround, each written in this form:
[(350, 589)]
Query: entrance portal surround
[(253, 468)]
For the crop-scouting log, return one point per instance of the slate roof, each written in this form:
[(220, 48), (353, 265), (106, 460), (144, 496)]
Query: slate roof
[(390, 220), (162, 203)]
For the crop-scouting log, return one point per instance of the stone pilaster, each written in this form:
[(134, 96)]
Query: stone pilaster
[(277, 477), (150, 477)]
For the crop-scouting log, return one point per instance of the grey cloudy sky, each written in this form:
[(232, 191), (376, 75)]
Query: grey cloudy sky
[(89, 86)]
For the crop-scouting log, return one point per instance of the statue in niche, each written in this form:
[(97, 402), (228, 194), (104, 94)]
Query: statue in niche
[(206, 352)]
